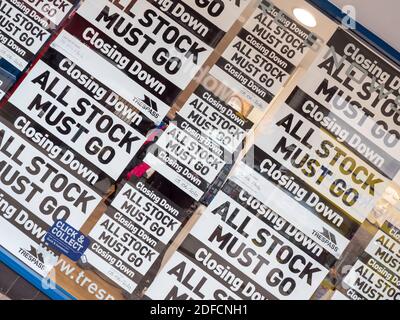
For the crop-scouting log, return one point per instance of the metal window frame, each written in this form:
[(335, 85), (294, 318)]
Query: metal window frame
[(35, 279), (331, 10)]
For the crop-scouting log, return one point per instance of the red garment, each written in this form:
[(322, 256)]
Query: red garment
[(141, 169), (138, 171)]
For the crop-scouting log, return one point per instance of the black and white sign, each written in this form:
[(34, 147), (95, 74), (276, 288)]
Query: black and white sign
[(357, 95), (216, 119), (194, 149), (36, 192), (78, 109), (263, 55), (157, 46), (243, 249), (209, 20), (376, 273), (130, 236), (305, 167), (26, 25), (315, 157)]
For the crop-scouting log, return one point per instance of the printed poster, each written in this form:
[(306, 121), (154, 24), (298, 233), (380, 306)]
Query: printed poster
[(264, 55)]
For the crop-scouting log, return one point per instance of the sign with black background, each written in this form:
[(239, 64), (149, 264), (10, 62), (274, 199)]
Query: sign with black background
[(242, 249), (35, 192), (75, 110), (264, 55), (199, 143), (376, 273), (135, 230), (356, 94), (26, 25), (157, 46)]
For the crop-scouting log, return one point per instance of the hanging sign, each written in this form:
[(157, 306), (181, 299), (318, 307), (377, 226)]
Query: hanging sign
[(87, 126), (243, 249), (35, 192), (317, 160), (26, 25), (356, 94), (263, 56), (376, 273), (200, 142), (156, 47), (131, 235)]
